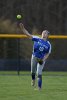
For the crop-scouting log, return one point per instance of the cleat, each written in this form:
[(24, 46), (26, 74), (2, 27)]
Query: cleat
[(37, 89)]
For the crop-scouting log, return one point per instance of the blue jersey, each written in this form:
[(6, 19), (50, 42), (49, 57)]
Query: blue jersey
[(40, 47)]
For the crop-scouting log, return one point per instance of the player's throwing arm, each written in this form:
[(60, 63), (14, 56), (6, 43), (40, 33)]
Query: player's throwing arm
[(25, 31)]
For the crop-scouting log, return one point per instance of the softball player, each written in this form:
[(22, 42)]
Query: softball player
[(41, 51)]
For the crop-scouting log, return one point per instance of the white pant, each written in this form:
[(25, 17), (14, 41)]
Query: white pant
[(35, 66)]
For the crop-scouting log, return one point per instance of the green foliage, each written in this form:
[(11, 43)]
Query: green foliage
[(7, 26)]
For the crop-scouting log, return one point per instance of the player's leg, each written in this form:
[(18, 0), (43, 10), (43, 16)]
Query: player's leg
[(39, 74), (33, 69)]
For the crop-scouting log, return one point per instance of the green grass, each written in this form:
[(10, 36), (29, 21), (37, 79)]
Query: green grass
[(14, 87)]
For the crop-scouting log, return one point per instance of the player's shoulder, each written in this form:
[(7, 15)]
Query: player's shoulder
[(35, 36), (49, 42)]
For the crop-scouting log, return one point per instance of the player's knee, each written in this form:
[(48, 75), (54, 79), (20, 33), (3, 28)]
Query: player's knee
[(40, 76)]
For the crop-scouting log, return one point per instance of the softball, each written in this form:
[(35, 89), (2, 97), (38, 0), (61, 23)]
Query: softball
[(19, 16)]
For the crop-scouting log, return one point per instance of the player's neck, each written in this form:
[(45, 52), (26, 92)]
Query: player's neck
[(44, 39)]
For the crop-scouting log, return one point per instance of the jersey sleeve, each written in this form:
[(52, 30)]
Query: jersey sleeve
[(49, 48), (35, 38)]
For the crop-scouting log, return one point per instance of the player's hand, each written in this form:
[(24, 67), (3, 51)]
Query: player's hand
[(40, 61)]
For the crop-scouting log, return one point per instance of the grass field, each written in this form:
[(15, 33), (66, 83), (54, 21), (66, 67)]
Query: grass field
[(14, 87)]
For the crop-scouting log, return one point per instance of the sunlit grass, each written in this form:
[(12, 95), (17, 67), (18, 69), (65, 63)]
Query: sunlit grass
[(14, 87)]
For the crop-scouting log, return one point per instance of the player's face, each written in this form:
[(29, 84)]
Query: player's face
[(44, 34)]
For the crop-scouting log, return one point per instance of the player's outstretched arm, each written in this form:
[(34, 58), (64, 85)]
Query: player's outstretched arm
[(25, 31), (46, 56)]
